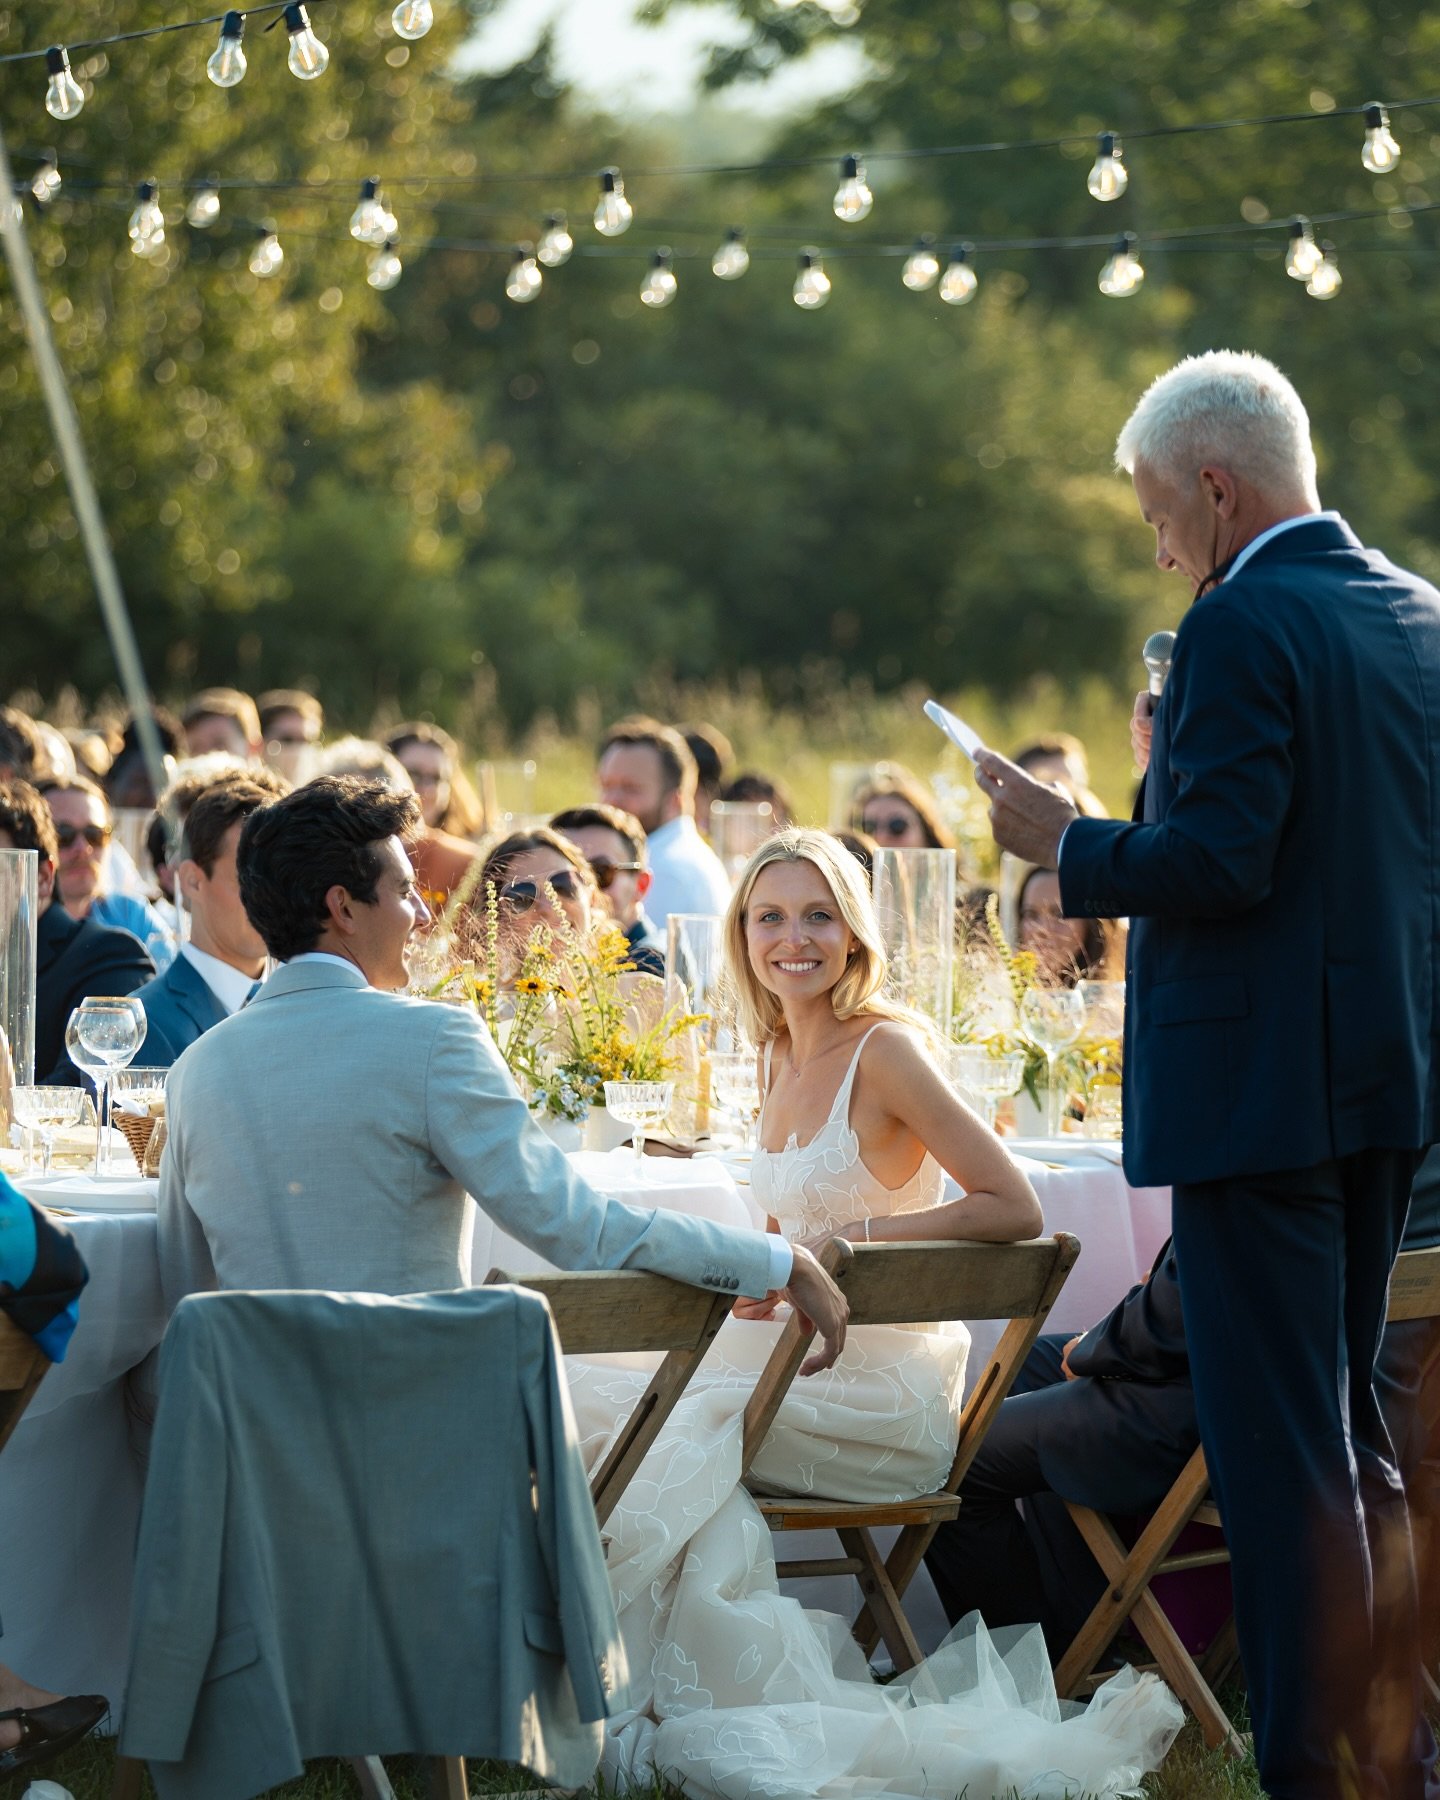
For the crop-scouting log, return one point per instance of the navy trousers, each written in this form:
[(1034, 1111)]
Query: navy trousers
[(1283, 1279)]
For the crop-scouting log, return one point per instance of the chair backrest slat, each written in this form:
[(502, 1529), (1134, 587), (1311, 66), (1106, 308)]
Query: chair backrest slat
[(903, 1284), (624, 1310), (1415, 1286)]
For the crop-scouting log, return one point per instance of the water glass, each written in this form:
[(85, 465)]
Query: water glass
[(104, 1034), (1052, 1018), (988, 1077), (43, 1111), (645, 1105), (737, 1096)]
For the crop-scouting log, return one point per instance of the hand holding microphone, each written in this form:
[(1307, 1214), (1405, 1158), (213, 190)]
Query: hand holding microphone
[(1159, 647)]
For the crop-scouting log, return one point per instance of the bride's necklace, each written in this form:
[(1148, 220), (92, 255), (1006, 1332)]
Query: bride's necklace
[(798, 1069)]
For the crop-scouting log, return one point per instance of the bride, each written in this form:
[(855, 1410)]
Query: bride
[(737, 1690)]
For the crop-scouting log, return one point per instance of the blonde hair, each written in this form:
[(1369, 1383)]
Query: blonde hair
[(858, 991)]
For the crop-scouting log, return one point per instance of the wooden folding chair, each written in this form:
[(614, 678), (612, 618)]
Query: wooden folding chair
[(22, 1368), (1414, 1294), (599, 1313), (903, 1284)]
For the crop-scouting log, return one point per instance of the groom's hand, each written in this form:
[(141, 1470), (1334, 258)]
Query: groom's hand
[(820, 1303), (1027, 818)]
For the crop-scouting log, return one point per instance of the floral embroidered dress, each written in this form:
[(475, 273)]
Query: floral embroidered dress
[(741, 1692)]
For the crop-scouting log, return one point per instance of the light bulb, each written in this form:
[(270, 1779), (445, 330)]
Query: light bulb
[(1380, 152), (370, 222), (204, 207), (613, 212), (1123, 273), (1303, 255), (45, 183), (556, 242), (385, 267), (812, 284), (267, 256), (853, 198), (64, 95), (147, 222), (659, 286), (732, 259), (227, 65), (524, 281), (1325, 283), (922, 266), (412, 18), (1109, 178), (308, 56), (959, 282)]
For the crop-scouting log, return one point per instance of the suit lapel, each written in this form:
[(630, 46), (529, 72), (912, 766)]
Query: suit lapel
[(193, 995)]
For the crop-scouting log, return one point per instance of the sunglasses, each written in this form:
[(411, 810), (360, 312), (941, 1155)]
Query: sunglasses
[(96, 836), (520, 896), (893, 826), (605, 871)]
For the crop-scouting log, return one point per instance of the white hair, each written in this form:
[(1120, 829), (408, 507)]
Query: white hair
[(1229, 407)]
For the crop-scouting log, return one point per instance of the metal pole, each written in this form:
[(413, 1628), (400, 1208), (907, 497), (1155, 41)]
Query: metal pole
[(77, 472)]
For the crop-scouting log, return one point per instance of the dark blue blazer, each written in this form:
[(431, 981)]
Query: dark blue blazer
[(1284, 880), (76, 957), (179, 1008)]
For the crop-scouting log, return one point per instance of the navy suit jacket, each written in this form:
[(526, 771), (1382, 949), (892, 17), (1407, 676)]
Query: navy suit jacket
[(76, 957), (179, 1007), (1284, 881)]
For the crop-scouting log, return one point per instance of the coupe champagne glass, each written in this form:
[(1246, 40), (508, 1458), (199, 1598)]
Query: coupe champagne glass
[(1052, 1018), (43, 1110), (104, 1033), (645, 1105), (990, 1079)]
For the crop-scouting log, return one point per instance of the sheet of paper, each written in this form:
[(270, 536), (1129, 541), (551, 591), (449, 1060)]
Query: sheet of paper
[(958, 732)]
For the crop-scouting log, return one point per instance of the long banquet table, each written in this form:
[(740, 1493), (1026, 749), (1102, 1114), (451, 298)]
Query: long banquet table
[(70, 1483)]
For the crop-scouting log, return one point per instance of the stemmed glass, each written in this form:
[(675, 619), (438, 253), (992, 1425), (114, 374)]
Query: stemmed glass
[(1052, 1018), (104, 1033), (645, 1105), (732, 1076), (43, 1110), (990, 1079)]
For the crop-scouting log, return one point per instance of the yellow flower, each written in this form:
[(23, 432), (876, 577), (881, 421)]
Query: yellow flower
[(531, 984)]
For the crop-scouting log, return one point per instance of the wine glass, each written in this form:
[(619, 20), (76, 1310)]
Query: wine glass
[(732, 1075), (645, 1105), (989, 1078), (1052, 1018), (104, 1033), (42, 1110)]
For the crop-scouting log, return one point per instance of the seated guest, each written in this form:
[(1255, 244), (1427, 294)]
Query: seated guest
[(75, 957), (753, 787), (714, 759), (350, 1166), (1055, 757), (83, 831), (220, 967), (1067, 950), (899, 812), (613, 843), (292, 724), (646, 768), (448, 802), (441, 861), (223, 719), (127, 782)]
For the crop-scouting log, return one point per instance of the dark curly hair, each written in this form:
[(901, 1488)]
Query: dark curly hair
[(324, 835)]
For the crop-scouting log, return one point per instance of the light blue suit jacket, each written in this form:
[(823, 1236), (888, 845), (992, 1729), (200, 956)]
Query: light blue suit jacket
[(179, 1007)]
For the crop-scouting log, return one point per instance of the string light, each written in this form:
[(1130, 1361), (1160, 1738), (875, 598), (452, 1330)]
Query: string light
[(659, 287), (1303, 255), (1380, 152), (268, 254), (227, 64), (384, 268), (147, 222), (524, 281), (204, 207), (1109, 178), (1325, 283), (64, 96), (922, 266), (45, 183), (308, 58), (1123, 274), (812, 284), (853, 199), (556, 244), (412, 18), (613, 212), (372, 221), (732, 259), (959, 282)]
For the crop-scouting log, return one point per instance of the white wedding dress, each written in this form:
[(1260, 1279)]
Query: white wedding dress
[(740, 1692)]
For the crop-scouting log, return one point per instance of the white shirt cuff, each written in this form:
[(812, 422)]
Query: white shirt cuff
[(782, 1263)]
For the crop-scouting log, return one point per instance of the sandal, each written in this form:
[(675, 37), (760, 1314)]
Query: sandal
[(47, 1730)]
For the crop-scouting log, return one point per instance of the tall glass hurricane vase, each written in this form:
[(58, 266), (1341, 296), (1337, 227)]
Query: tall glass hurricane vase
[(19, 914), (915, 901)]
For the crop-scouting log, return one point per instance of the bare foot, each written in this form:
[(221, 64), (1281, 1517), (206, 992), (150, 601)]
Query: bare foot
[(15, 1692)]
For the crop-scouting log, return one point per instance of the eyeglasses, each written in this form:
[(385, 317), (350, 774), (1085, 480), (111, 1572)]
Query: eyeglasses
[(605, 871), (520, 896), (895, 825), (96, 836)]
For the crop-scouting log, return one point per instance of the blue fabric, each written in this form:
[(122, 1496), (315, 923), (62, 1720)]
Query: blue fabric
[(179, 1007), (129, 913), (41, 1273)]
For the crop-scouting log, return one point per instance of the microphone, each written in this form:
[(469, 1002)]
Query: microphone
[(1159, 648)]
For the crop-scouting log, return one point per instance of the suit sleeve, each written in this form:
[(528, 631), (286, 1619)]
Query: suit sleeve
[(481, 1131), (118, 964), (1228, 725), (1143, 1339)]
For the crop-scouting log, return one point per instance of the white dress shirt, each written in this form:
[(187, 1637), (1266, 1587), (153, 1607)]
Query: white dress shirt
[(230, 986), (688, 877)]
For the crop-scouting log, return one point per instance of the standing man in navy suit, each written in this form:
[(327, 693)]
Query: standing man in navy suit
[(1281, 1035), (215, 971)]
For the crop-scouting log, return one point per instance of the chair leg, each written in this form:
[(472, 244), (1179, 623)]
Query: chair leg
[(369, 1771), (126, 1782), (1110, 1611), (447, 1778), (1176, 1665), (882, 1603)]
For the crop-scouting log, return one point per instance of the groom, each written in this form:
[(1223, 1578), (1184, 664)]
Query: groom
[(1282, 1035), (329, 1135)]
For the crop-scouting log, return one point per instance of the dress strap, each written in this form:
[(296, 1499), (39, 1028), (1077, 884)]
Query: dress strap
[(841, 1108)]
